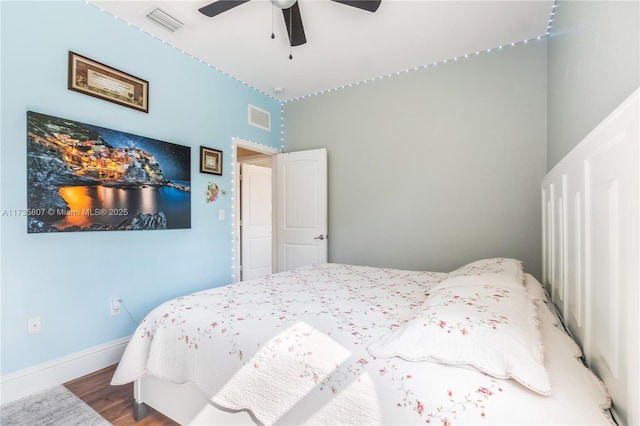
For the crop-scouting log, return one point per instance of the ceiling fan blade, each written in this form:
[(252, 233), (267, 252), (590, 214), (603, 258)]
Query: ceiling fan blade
[(217, 7), (293, 21), (368, 5)]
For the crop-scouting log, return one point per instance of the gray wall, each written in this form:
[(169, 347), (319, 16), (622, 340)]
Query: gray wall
[(434, 168), (593, 66)]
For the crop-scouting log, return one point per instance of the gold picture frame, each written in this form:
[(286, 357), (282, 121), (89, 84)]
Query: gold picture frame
[(210, 161), (101, 81)]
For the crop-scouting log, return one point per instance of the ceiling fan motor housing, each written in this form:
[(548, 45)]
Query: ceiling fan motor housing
[(291, 12)]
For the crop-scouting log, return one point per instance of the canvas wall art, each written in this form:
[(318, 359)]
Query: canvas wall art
[(82, 177)]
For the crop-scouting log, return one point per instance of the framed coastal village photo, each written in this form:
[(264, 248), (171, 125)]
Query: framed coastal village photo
[(83, 177)]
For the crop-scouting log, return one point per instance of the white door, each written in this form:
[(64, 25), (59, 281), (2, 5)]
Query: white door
[(301, 188), (256, 221)]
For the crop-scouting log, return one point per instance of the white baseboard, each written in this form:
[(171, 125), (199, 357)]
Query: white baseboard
[(58, 371)]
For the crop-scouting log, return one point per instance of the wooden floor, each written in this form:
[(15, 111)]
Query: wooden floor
[(114, 403)]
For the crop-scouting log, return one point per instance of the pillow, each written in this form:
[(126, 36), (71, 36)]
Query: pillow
[(490, 326), (535, 288), (492, 279), (496, 265)]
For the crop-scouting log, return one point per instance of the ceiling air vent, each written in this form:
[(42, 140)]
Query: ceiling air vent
[(259, 118), (161, 17)]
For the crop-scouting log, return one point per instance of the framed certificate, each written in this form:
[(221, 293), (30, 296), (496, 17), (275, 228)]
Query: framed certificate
[(101, 81)]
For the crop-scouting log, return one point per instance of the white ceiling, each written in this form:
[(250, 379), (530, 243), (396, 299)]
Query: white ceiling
[(344, 45)]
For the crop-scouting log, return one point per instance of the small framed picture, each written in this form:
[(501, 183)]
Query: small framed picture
[(210, 161)]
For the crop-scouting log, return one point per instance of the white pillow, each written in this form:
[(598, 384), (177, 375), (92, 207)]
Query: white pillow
[(534, 287), (495, 265), (490, 325)]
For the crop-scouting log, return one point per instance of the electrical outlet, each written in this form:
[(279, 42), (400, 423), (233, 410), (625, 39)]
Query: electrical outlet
[(116, 304), (34, 326)]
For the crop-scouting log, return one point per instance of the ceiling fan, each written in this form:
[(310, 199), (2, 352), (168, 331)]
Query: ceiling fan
[(291, 12)]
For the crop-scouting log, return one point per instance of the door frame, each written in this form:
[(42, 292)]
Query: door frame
[(235, 213)]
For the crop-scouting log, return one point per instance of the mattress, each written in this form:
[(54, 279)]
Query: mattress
[(296, 348)]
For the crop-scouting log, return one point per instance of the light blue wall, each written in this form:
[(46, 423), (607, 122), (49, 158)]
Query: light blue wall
[(68, 279)]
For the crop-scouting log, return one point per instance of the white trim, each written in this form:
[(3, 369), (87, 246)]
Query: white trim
[(599, 236), (52, 373), (254, 146)]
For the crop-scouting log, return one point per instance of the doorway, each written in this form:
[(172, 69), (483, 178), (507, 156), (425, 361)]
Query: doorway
[(297, 209), (253, 210)]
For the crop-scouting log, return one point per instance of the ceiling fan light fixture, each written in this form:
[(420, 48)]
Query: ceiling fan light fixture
[(283, 4)]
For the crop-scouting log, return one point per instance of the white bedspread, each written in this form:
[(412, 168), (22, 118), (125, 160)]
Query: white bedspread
[(292, 349)]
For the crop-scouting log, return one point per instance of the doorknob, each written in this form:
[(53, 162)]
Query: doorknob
[(321, 237)]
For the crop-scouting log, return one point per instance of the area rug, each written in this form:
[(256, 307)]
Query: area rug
[(53, 407)]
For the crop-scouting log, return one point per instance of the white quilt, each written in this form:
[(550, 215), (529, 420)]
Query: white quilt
[(292, 349)]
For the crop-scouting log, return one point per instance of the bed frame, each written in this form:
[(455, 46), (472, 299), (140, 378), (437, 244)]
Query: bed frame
[(185, 404), (591, 256), (591, 240)]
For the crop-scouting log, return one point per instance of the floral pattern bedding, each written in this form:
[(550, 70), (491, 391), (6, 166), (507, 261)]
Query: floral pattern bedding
[(292, 349)]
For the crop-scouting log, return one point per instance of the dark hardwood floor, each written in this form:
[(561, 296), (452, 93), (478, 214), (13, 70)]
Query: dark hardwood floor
[(114, 403)]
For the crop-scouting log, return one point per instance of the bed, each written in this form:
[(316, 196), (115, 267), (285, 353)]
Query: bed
[(308, 346), (483, 344)]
